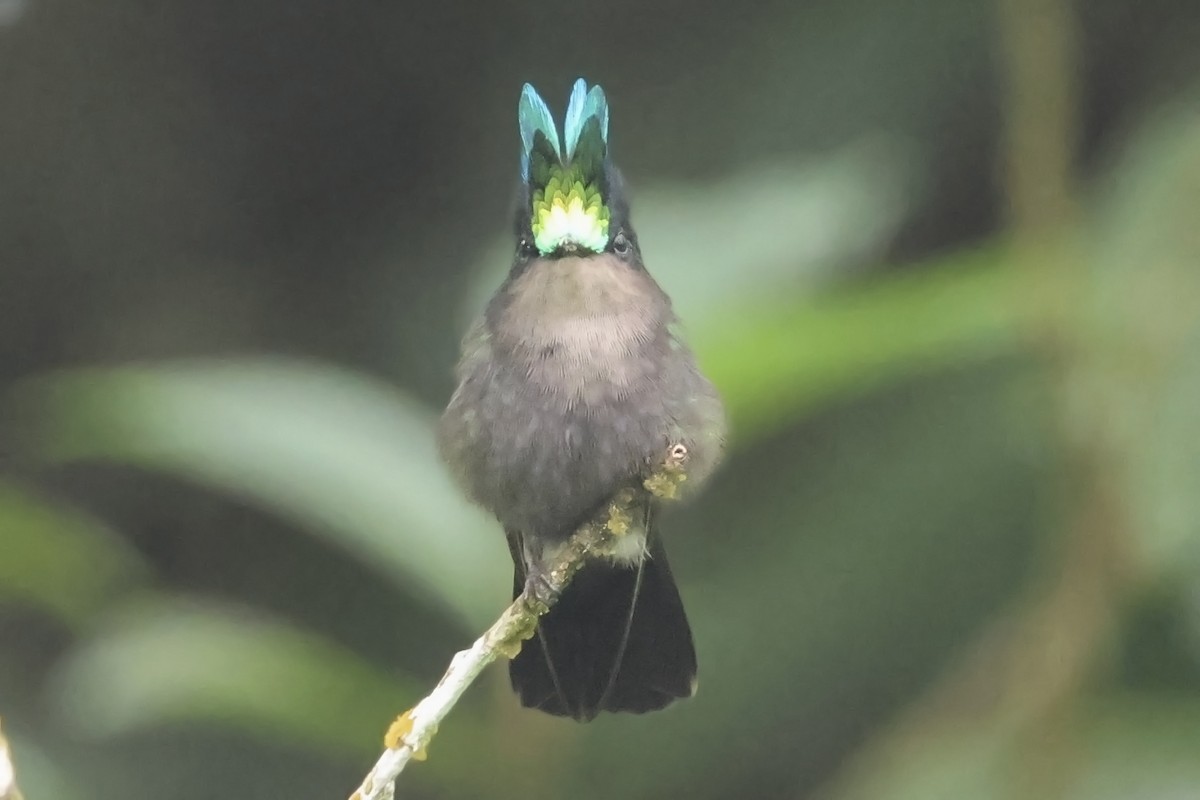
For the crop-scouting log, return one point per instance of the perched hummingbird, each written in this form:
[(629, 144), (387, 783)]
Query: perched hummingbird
[(572, 387)]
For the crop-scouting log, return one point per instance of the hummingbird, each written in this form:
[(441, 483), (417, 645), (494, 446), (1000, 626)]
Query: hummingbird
[(572, 384)]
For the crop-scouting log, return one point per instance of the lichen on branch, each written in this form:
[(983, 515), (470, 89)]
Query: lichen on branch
[(408, 737)]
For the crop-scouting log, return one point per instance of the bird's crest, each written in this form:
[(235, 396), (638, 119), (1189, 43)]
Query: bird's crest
[(566, 178)]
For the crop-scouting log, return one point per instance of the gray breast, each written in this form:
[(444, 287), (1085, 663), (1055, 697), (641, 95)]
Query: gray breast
[(583, 329), (569, 388)]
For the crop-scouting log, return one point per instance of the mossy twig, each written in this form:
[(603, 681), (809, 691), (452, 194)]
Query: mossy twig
[(409, 735)]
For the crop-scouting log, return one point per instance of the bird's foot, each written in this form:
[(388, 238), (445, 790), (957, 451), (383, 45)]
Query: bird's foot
[(540, 588)]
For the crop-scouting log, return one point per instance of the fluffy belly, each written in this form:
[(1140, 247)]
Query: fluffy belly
[(551, 464), (571, 385)]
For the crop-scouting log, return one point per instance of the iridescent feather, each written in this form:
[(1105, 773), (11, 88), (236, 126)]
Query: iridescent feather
[(539, 136), (567, 202), (586, 122)]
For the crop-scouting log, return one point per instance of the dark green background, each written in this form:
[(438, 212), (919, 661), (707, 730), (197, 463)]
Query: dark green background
[(941, 257)]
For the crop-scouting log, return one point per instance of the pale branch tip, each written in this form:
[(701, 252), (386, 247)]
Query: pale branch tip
[(8, 774), (409, 735)]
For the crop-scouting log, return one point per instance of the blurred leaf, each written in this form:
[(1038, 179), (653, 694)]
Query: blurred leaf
[(790, 224), (173, 661), (945, 765), (1128, 746), (349, 458), (1134, 399), (1141, 746), (778, 359), (37, 773), (58, 559), (785, 225), (11, 11), (1138, 392)]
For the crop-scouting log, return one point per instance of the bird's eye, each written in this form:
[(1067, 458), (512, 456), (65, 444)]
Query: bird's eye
[(621, 244), (525, 248)]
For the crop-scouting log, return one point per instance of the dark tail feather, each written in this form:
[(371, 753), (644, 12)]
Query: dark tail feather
[(618, 640)]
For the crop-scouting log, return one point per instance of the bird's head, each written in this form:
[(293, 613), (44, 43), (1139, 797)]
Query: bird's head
[(572, 203)]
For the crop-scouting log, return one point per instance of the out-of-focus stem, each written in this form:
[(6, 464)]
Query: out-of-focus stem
[(1041, 63), (1020, 680)]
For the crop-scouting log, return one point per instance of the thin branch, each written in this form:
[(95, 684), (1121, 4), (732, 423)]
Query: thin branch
[(408, 737), (8, 775)]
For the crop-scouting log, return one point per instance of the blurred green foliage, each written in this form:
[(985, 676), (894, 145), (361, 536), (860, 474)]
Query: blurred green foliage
[(955, 549)]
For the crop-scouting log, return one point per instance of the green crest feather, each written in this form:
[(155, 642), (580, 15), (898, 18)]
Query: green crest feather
[(566, 184)]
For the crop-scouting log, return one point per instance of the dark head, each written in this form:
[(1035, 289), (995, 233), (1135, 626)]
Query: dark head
[(572, 200)]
